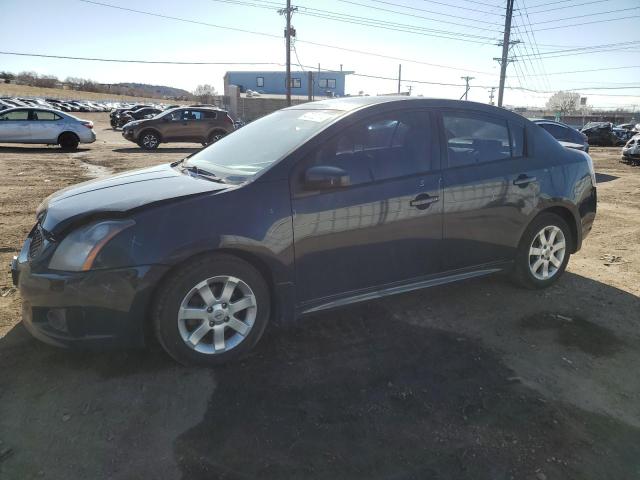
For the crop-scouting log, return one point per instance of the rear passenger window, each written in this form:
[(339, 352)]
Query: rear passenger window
[(210, 115), (473, 139), (42, 115)]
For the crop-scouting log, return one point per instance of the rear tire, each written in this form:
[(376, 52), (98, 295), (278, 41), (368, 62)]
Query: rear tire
[(198, 317), (149, 140), (543, 253), (214, 137), (68, 142)]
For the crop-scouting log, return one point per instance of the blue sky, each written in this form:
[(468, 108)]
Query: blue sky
[(470, 29)]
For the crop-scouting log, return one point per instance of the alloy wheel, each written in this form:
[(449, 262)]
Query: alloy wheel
[(547, 252), (150, 140), (217, 315)]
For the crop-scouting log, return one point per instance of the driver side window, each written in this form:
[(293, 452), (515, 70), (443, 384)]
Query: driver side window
[(380, 148)]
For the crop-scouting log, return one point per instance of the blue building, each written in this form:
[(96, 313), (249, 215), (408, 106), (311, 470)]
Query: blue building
[(325, 83)]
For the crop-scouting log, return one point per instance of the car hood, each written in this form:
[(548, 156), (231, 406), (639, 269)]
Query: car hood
[(119, 194), (132, 123)]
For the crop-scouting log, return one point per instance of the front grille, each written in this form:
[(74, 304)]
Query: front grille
[(37, 242)]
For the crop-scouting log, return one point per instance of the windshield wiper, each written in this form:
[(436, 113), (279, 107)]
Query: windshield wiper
[(203, 173)]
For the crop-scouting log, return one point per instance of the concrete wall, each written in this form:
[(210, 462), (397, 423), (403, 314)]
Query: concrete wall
[(251, 108)]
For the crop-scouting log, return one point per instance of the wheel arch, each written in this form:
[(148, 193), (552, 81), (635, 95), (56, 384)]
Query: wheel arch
[(68, 132), (568, 216), (149, 129), (252, 259), (216, 130)]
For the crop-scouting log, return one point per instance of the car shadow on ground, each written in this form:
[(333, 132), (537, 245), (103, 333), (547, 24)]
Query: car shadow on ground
[(604, 178), (370, 391), (158, 150), (31, 150)]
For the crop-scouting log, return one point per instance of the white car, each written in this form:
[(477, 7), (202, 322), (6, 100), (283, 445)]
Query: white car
[(44, 125), (631, 151)]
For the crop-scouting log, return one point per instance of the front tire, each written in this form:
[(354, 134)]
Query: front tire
[(212, 310), (149, 140), (543, 252)]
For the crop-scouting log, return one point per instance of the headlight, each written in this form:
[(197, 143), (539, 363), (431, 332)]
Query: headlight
[(79, 249)]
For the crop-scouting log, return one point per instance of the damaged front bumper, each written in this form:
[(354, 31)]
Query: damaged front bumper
[(94, 309)]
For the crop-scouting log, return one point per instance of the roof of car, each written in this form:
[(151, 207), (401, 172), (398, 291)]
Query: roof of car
[(347, 104), (29, 107)]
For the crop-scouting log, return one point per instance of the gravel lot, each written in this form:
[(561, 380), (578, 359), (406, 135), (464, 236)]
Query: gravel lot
[(479, 380)]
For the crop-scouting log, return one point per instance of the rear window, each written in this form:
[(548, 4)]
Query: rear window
[(473, 139)]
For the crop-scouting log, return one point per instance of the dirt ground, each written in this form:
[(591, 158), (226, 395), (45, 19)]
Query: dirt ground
[(479, 380)]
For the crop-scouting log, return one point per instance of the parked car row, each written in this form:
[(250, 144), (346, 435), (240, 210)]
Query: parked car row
[(594, 133), (146, 126), (606, 134), (55, 104)]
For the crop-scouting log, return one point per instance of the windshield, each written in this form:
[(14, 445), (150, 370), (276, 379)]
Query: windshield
[(259, 144)]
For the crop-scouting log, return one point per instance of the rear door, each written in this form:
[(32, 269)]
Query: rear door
[(489, 188), (386, 226), (45, 126), (14, 126)]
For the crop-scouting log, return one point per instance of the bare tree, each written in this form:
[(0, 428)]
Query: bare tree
[(564, 102), (205, 93)]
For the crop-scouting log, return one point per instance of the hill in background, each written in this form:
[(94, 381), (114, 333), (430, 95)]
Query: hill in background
[(158, 91)]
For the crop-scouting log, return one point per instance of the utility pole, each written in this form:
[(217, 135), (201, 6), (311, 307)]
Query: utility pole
[(410, 88), (493, 89), (467, 79), (399, 76), (505, 51), (288, 33)]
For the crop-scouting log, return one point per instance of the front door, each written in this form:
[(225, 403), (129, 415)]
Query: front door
[(385, 227), (490, 189), (185, 126), (14, 126)]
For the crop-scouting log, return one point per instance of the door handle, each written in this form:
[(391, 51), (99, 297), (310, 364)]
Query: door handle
[(423, 201), (524, 180)]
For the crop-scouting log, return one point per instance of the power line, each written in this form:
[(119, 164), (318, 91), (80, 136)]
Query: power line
[(568, 6), (594, 70), (573, 17), (377, 23), (589, 23), (620, 49), (308, 42), (433, 12), (595, 48), (115, 60), (398, 27), (535, 44), (451, 5), (416, 16)]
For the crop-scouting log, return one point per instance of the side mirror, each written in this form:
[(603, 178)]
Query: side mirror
[(324, 177)]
